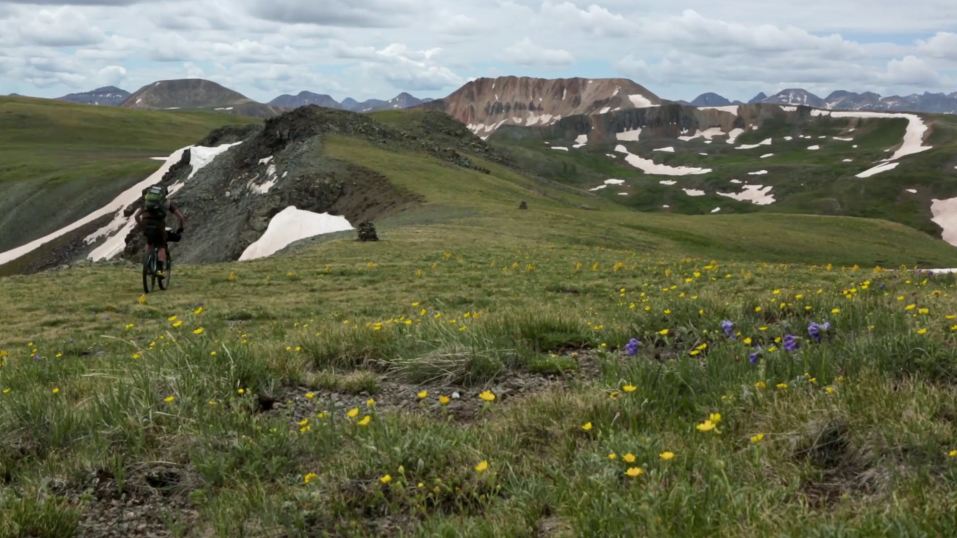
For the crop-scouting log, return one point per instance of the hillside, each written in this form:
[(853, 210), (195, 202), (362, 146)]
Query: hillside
[(233, 183), (486, 104), (482, 368), (753, 158), (59, 161), (195, 94), (474, 373)]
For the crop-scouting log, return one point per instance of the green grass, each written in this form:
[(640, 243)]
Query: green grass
[(51, 152), (225, 406)]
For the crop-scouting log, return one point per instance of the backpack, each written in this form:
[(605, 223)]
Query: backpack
[(154, 201)]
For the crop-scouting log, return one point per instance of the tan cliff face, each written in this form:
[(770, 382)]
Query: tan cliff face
[(486, 104)]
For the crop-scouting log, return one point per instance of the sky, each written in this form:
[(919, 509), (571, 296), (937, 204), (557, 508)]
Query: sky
[(378, 48)]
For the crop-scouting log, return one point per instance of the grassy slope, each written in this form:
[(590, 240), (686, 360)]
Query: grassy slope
[(52, 152), (468, 294), (804, 181)]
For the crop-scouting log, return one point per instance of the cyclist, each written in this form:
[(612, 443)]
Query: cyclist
[(151, 218)]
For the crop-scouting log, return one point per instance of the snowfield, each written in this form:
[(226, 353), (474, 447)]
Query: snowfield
[(765, 142), (945, 215), (693, 192), (291, 225), (650, 167)]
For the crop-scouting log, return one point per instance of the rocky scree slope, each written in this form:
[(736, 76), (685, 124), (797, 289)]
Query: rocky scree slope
[(486, 104), (269, 168)]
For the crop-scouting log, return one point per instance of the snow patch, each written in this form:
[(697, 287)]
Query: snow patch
[(640, 101), (730, 109), (559, 148), (736, 181), (847, 161), (912, 191), (707, 134), (881, 168), (913, 142), (628, 136), (605, 110), (758, 173), (581, 141), (650, 167), (614, 182), (765, 142), (200, 157), (291, 225), (843, 138), (789, 108), (814, 148), (669, 149), (789, 138), (734, 134), (716, 210), (756, 194), (767, 156), (694, 193), (267, 160), (668, 182), (945, 215)]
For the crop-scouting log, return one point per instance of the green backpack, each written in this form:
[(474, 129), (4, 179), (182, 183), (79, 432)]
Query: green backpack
[(154, 201)]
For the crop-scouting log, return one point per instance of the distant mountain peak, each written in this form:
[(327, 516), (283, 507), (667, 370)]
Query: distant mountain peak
[(710, 99), (105, 96)]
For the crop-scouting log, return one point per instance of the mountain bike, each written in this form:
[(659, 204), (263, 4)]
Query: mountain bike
[(152, 276)]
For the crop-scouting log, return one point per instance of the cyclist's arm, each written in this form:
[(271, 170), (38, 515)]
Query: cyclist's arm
[(179, 216), (139, 217)]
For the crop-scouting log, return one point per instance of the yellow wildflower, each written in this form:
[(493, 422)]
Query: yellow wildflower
[(664, 332), (385, 479), (198, 311), (353, 413), (444, 400), (705, 426), (365, 421), (370, 403), (481, 466), (760, 385), (634, 472), (952, 454), (56, 390), (629, 458), (487, 396), (169, 399), (629, 388), (781, 386), (136, 356), (310, 395), (667, 455), (309, 478), (612, 456), (587, 426), (422, 394), (199, 331), (757, 438)]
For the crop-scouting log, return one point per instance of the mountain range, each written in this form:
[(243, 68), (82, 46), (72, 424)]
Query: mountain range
[(403, 100), (199, 94), (930, 103)]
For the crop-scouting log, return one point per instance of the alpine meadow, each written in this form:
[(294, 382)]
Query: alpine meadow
[(576, 301)]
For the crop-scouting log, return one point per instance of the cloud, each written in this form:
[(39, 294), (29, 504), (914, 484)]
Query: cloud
[(527, 53), (111, 75), (348, 13), (911, 71), (62, 27), (594, 19), (943, 45)]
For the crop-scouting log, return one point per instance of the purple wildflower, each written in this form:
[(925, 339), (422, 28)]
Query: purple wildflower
[(791, 343), (728, 327), (754, 356), (817, 331), (631, 348)]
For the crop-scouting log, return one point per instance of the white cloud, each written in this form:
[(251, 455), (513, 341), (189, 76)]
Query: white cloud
[(366, 14), (942, 45), (111, 75), (527, 53), (61, 27), (911, 71), (594, 19)]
